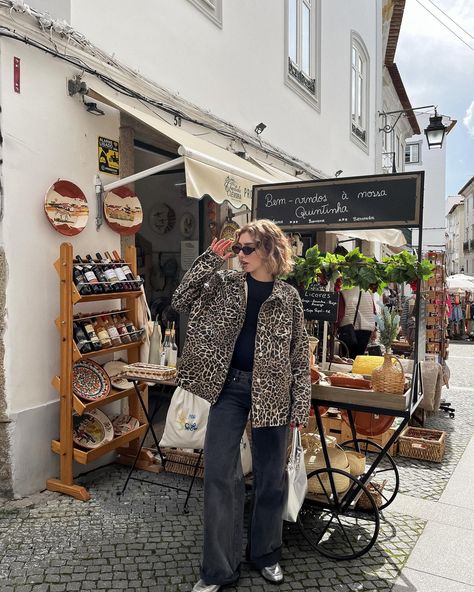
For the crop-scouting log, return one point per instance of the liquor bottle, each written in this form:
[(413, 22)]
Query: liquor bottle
[(100, 274), (109, 273), (119, 272), (132, 330), (173, 351), (90, 276), (101, 332), (80, 338), (121, 328), (127, 271), (91, 334), (154, 353), (165, 352), (112, 331), (80, 280)]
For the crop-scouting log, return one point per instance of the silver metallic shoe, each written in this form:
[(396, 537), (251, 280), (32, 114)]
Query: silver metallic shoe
[(202, 587), (273, 573)]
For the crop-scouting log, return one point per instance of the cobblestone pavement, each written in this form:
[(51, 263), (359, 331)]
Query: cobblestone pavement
[(142, 541)]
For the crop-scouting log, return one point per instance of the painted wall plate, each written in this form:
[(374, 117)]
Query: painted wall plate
[(89, 380), (66, 207), (162, 218), (187, 225), (123, 211), (92, 429)]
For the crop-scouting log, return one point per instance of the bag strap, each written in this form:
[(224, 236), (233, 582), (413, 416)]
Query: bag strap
[(357, 308), (145, 303)]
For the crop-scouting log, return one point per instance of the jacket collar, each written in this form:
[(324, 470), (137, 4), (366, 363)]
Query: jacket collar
[(278, 287)]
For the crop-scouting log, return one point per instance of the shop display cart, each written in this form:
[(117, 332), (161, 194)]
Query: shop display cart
[(334, 519)]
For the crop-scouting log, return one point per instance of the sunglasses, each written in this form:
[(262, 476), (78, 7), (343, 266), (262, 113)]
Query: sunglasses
[(245, 250)]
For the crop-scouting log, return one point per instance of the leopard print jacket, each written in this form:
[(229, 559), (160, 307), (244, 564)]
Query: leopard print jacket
[(216, 300)]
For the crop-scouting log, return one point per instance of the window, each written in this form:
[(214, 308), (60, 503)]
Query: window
[(211, 8), (412, 153), (359, 89), (302, 48)]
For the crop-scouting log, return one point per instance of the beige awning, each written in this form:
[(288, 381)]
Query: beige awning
[(209, 169), (389, 236)]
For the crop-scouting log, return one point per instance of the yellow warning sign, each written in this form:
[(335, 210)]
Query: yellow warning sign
[(108, 156)]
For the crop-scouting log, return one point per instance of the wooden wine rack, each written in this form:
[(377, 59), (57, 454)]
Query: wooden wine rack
[(68, 402)]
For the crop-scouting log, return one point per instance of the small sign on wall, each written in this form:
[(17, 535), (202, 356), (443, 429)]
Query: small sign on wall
[(189, 252), (108, 156)]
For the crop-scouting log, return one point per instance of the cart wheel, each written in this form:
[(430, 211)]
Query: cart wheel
[(386, 471), (333, 529)]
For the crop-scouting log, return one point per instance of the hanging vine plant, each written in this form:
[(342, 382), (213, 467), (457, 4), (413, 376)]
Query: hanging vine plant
[(357, 270)]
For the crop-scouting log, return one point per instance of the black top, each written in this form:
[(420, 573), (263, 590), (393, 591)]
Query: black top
[(258, 292)]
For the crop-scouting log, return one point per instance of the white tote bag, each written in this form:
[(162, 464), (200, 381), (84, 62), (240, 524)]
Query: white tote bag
[(186, 421), (297, 479), (245, 454)]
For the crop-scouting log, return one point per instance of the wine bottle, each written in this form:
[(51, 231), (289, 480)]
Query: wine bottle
[(100, 274), (154, 353), (127, 271), (91, 334), (102, 334), (165, 353), (132, 330), (80, 338), (112, 331), (80, 280), (90, 276), (109, 273), (119, 272), (122, 329), (173, 350)]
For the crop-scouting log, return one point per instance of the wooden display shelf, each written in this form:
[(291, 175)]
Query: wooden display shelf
[(86, 456), (95, 297), (124, 346)]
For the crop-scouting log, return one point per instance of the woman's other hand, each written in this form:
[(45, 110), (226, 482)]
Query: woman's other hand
[(219, 247)]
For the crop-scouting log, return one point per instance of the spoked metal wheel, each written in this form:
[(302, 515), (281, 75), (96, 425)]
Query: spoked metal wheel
[(336, 530), (386, 471)]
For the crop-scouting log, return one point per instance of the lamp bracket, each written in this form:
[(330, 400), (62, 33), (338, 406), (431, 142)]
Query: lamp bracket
[(388, 128)]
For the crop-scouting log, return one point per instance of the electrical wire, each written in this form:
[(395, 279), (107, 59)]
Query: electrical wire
[(445, 25), (451, 19)]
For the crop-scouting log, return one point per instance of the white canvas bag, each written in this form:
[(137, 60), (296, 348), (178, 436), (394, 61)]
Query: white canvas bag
[(186, 421), (297, 479)]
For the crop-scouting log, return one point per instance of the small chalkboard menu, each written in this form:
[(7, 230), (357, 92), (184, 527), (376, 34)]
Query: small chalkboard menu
[(319, 305), (376, 201)]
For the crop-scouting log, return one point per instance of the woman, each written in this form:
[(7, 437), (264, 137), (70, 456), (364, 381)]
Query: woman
[(246, 352)]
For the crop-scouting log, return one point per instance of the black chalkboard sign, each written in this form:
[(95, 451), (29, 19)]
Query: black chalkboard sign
[(320, 305), (376, 201)]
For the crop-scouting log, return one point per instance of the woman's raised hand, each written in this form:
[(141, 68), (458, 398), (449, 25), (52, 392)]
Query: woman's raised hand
[(220, 247)]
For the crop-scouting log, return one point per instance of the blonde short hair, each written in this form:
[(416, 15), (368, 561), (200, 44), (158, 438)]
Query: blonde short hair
[(271, 245)]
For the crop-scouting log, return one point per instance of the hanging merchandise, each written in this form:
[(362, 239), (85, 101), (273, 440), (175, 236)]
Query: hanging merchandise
[(229, 228), (162, 218), (123, 211), (66, 207)]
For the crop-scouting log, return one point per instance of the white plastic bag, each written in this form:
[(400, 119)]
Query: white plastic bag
[(297, 479), (186, 421)]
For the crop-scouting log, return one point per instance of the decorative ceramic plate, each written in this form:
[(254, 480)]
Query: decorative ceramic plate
[(90, 381), (116, 367), (162, 218), (92, 429), (123, 211), (66, 207), (124, 423), (228, 230)]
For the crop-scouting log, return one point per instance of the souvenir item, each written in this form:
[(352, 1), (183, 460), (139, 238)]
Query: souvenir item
[(187, 224), (92, 429), (228, 230), (162, 218), (113, 368), (123, 424), (123, 211), (66, 207), (89, 380)]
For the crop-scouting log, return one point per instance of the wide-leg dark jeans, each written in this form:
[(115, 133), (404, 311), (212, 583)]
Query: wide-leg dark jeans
[(224, 488)]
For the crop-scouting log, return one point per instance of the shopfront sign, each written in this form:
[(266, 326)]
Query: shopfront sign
[(376, 201), (108, 156), (319, 305)]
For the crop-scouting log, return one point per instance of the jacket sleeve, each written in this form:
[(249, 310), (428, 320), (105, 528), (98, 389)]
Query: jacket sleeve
[(299, 358), (189, 290)]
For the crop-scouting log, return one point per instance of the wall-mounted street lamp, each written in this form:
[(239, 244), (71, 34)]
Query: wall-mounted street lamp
[(434, 133)]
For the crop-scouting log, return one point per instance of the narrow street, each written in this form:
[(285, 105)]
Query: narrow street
[(142, 541)]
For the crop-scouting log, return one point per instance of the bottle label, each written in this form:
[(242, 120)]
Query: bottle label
[(91, 277), (111, 276), (127, 270), (103, 336), (112, 331), (120, 274)]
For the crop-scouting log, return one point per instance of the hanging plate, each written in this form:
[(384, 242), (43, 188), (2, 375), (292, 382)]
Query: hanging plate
[(91, 429), (66, 207), (123, 211), (89, 380), (228, 230), (116, 367)]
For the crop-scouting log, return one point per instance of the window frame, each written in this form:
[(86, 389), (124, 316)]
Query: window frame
[(211, 8), (409, 145), (295, 78), (360, 133)]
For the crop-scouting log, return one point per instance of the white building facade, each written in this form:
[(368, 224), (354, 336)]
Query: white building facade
[(467, 193), (455, 239), (310, 71)]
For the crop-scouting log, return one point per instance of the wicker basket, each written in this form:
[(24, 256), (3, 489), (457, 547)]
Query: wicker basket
[(389, 378), (142, 371), (375, 490), (356, 462), (182, 462), (338, 460), (422, 443)]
